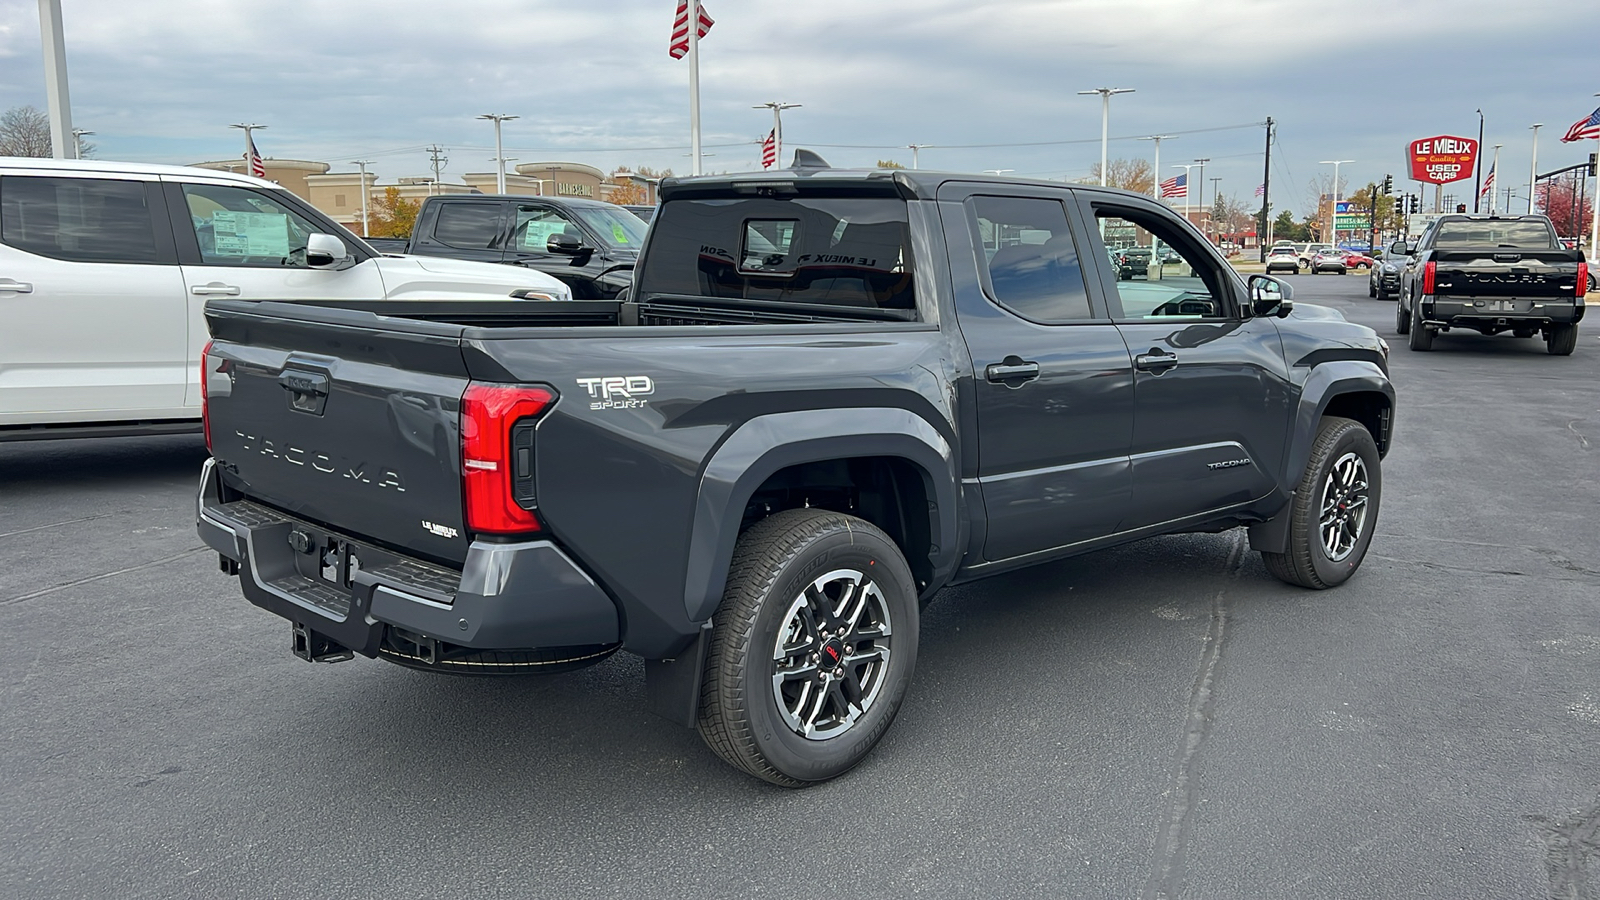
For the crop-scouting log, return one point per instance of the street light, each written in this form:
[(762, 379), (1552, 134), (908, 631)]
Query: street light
[(1533, 166), (1186, 179), (499, 155), (997, 171), (1333, 210), (77, 142), (1494, 170), (1156, 172), (914, 148), (1105, 121), (248, 144), (363, 163), (777, 108)]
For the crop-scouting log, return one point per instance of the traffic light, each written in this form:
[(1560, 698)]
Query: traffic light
[(1416, 205), (1461, 207), (1388, 180)]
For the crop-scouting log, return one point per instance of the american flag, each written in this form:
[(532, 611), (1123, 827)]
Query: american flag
[(1584, 128), (769, 149), (253, 159), (1488, 182), (680, 29), (1261, 189), (1176, 187)]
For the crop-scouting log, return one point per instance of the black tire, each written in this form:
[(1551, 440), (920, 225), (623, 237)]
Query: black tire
[(771, 587), (1402, 318), (1372, 291), (1308, 562), (1421, 337), (1563, 339)]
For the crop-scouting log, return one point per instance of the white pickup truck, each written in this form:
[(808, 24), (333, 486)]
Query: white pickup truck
[(105, 269)]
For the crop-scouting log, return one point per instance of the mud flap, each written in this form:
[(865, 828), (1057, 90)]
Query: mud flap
[(672, 686)]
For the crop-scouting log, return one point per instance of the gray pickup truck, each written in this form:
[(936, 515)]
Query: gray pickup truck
[(1492, 274), (828, 395)]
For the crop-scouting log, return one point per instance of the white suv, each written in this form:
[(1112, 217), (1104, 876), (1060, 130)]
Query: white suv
[(105, 269)]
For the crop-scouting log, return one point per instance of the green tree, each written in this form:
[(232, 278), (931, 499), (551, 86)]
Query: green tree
[(393, 216), (1285, 228)]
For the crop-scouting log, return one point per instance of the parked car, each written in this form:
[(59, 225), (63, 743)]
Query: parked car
[(1307, 251), (1137, 261), (589, 245), (387, 245), (760, 514), (105, 268), (1383, 280), (1492, 274), (1361, 261), (1283, 258), (643, 212), (1119, 266), (1327, 260)]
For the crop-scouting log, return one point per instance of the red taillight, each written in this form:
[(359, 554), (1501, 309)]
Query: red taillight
[(1583, 278), (205, 395), (1430, 273), (491, 459)]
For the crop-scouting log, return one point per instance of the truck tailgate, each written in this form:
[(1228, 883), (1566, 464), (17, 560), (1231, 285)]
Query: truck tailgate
[(1526, 274), (342, 418)]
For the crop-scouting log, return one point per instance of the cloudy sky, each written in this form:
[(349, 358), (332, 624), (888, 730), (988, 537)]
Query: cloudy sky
[(593, 82)]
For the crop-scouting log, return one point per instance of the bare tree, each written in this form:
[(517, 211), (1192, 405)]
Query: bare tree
[(1128, 174), (24, 131)]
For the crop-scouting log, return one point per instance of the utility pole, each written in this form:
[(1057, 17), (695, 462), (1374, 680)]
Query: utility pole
[(77, 142), (777, 107), (363, 163), (1265, 238), (1105, 122), (1477, 176), (1533, 167), (499, 154), (1155, 188), (55, 78), (1333, 209), (914, 148), (436, 153)]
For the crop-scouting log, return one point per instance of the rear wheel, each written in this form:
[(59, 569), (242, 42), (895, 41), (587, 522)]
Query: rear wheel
[(1372, 290), (1563, 340), (1334, 510), (1421, 337), (812, 648), (1402, 319)]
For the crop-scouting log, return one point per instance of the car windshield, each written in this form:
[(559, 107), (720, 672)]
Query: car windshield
[(1529, 235), (617, 226)]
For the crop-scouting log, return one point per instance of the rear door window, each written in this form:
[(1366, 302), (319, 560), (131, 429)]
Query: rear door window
[(1029, 257), (819, 251), (78, 219)]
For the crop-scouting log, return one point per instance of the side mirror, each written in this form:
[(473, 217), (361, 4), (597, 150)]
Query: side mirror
[(323, 250), (564, 244), (1270, 296), (1399, 248)]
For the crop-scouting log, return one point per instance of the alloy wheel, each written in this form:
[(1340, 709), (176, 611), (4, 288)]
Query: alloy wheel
[(1343, 513), (831, 659)]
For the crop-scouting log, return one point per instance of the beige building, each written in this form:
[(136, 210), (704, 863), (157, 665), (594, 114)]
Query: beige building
[(293, 174)]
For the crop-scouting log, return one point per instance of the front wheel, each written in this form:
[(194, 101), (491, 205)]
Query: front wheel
[(1402, 318), (1334, 510), (812, 649)]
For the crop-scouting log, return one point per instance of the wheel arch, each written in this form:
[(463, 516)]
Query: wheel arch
[(908, 465)]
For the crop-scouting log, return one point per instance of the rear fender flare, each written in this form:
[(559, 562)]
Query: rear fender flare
[(766, 444)]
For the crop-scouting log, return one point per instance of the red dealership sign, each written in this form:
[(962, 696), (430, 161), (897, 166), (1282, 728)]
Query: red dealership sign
[(1442, 159)]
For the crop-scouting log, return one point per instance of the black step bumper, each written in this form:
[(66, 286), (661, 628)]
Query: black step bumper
[(1503, 312), (507, 596)]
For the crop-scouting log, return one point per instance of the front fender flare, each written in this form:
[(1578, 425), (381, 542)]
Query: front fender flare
[(766, 444)]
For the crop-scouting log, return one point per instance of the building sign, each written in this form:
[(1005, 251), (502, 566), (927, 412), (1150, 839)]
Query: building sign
[(566, 189), (1349, 216), (1443, 159)]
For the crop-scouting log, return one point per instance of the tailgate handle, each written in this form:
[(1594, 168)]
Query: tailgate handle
[(308, 391)]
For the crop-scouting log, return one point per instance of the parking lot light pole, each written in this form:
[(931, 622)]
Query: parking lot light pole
[(1155, 188), (77, 142), (777, 107), (1105, 121), (1333, 208), (914, 148), (363, 163), (1186, 179), (499, 154), (1494, 169), (57, 99), (1533, 166)]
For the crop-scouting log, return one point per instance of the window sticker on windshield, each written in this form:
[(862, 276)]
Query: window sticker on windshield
[(249, 234), (537, 233), (617, 232)]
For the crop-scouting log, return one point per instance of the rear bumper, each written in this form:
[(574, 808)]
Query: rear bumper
[(1499, 312), (510, 596)]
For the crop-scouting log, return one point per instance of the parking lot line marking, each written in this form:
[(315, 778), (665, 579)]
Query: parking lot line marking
[(102, 576), (54, 525)]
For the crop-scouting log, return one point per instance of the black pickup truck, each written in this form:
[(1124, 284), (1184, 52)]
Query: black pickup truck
[(828, 395), (1492, 274), (590, 245)]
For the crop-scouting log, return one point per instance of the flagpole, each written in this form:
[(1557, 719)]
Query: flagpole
[(1594, 225), (1494, 170), (694, 84)]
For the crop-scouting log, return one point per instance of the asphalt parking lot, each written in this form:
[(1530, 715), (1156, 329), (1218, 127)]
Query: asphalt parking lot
[(1161, 720)]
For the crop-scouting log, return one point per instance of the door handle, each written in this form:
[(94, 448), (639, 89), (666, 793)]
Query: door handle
[(1155, 361), (1013, 371), (15, 287), (215, 287)]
